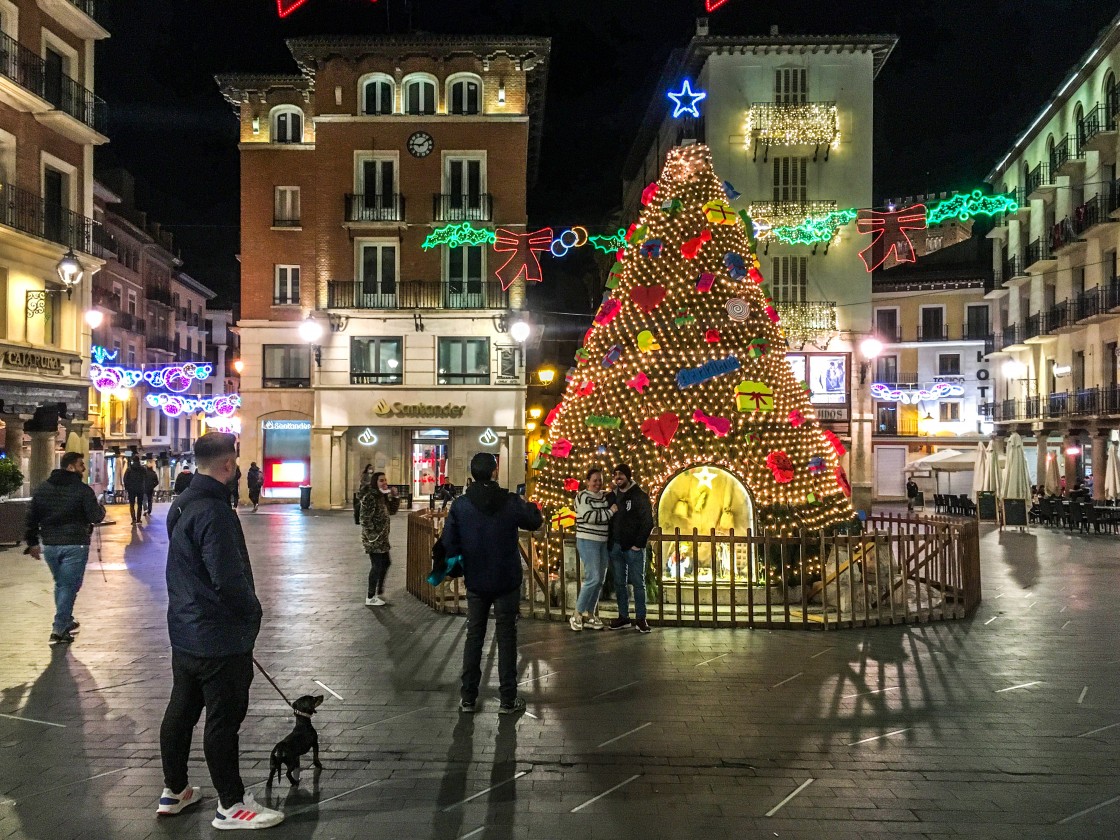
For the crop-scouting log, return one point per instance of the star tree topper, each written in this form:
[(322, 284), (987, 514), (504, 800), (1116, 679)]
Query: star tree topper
[(686, 99)]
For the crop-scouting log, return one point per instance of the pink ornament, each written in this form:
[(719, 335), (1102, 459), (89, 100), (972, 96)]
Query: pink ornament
[(719, 426), (796, 418), (639, 382)]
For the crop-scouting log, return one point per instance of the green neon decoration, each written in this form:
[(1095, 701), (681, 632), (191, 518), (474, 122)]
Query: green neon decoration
[(458, 235), (609, 244), (815, 228), (963, 206)]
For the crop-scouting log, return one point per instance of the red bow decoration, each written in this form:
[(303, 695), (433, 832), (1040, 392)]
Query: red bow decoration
[(719, 426), (649, 193), (639, 382), (553, 414), (781, 466), (286, 7), (692, 247), (523, 259), (888, 234), (571, 484)]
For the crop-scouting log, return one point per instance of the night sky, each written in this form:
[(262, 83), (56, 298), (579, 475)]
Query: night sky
[(965, 79)]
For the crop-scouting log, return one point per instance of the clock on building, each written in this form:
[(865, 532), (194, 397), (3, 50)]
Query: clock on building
[(421, 144)]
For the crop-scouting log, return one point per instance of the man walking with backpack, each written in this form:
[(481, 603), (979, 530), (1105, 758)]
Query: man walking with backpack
[(213, 617), (481, 528)]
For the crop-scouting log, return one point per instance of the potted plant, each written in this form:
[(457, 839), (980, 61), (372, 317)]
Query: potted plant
[(13, 514), (11, 479)]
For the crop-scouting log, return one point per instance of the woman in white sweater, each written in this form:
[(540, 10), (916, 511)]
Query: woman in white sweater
[(593, 519)]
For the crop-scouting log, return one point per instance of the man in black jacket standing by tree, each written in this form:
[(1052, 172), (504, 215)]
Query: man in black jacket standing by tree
[(630, 530), (213, 617), (482, 528), (63, 511)]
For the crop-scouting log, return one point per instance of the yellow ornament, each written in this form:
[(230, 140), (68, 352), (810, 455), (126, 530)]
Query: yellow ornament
[(719, 212), (564, 518), (646, 342)]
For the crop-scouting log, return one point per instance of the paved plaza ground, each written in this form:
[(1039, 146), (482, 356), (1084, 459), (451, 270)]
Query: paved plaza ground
[(1003, 726)]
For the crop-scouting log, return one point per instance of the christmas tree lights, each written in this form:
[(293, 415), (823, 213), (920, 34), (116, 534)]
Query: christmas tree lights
[(793, 124), (672, 402)]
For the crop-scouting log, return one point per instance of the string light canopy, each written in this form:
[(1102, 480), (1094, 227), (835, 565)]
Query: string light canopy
[(684, 367), (793, 124)]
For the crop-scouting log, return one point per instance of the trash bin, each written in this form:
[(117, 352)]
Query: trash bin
[(305, 496)]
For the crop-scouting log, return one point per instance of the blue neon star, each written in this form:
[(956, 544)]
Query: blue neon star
[(686, 99)]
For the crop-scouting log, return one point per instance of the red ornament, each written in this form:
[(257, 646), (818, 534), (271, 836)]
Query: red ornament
[(781, 466), (523, 249), (888, 234), (705, 282), (796, 418), (562, 448), (755, 275), (712, 336), (587, 336), (831, 437), (571, 485), (608, 311), (553, 414), (649, 193), (639, 382), (692, 247), (584, 389), (719, 426), (661, 429), (842, 480), (647, 298)]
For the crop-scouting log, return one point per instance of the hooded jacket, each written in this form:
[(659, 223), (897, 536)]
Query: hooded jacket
[(212, 606), (63, 510), (135, 480), (151, 480), (631, 526), (376, 508), (482, 528), (254, 479), (183, 481)]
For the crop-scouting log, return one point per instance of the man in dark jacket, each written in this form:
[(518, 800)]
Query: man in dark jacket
[(630, 530), (213, 617), (151, 482), (62, 514), (481, 528), (183, 480), (254, 480), (135, 482), (234, 488)]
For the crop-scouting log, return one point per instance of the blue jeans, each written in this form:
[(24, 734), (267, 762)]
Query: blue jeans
[(68, 566), (594, 556), (629, 567)]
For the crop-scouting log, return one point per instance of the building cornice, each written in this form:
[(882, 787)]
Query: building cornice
[(446, 119)]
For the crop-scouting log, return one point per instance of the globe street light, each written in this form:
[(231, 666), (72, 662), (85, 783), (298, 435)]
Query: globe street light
[(519, 330), (70, 271), (546, 375), (94, 318), (311, 331)]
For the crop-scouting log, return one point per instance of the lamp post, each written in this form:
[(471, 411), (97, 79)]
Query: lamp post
[(311, 331), (70, 271), (862, 424)]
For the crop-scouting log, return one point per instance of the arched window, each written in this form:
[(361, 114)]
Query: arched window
[(1079, 127), (419, 94), (287, 124), (376, 93), (1111, 98), (464, 95), (1049, 159)]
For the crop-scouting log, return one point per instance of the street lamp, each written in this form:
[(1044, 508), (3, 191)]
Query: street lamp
[(869, 348), (70, 271), (238, 366), (519, 330), (546, 375), (1013, 369), (311, 331), (94, 318), (535, 412)]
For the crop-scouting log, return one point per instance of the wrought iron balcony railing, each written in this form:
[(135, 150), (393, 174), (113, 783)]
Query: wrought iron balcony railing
[(374, 207), (27, 212), (28, 69), (1037, 178), (470, 207), (416, 294)]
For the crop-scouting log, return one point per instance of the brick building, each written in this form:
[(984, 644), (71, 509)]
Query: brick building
[(347, 167), (50, 120)]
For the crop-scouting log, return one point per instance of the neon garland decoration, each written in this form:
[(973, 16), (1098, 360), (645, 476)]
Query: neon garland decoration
[(964, 206), (814, 229), (608, 244), (101, 355), (458, 235), (937, 391), (112, 378), (174, 405), (575, 237), (175, 378), (227, 425), (686, 100)]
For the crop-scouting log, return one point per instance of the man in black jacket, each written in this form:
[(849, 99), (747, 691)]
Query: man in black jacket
[(151, 482), (481, 528), (62, 514), (213, 617), (630, 530)]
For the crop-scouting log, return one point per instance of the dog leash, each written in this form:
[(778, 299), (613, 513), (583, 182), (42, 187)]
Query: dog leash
[(268, 677)]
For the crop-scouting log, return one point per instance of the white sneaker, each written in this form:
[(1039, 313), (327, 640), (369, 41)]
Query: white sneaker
[(246, 814), (576, 622), (172, 803), (375, 601), (593, 622)]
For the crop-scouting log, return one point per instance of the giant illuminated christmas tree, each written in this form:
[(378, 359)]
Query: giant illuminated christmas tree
[(683, 375)]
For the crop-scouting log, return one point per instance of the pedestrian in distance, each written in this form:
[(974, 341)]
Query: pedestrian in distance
[(630, 529), (254, 481), (481, 529), (183, 480), (61, 516), (213, 618), (367, 476), (377, 501), (911, 493), (593, 521), (151, 482), (234, 488), (135, 485)]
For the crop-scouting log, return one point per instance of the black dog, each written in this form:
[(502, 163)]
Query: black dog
[(301, 739)]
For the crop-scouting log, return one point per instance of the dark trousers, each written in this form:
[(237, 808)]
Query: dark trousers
[(255, 495), (221, 686), (505, 617), (136, 505), (378, 567), (149, 497)]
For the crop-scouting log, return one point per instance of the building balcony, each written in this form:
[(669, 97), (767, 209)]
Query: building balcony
[(1095, 216), (158, 294), (163, 343), (416, 294), (933, 333), (1038, 257), (781, 213), (106, 299), (976, 332), (26, 212), (376, 208), (1099, 303), (1063, 237), (1012, 338), (790, 124), (889, 335), (1096, 130), (129, 323), (896, 380), (1066, 158), (1039, 183), (449, 207), (1061, 318)]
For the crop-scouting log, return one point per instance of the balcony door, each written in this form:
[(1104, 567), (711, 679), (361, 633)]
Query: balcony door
[(465, 185), (933, 323), (464, 278), (378, 186), (886, 325), (54, 66), (977, 324), (54, 199), (378, 284)]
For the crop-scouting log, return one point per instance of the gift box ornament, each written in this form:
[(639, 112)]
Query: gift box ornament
[(753, 438), (649, 193), (553, 414), (613, 355), (638, 234), (571, 485), (651, 248), (730, 191), (561, 448), (639, 382), (712, 336), (780, 466), (538, 463), (755, 275), (754, 396), (842, 480), (735, 265), (796, 418), (837, 445), (771, 312), (682, 317), (564, 518), (584, 389), (758, 347), (719, 212), (582, 356), (672, 206), (705, 282), (608, 310), (817, 465)]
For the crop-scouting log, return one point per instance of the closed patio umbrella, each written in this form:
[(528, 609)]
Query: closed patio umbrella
[(978, 468), (1052, 484), (1112, 472), (992, 470), (1016, 478)]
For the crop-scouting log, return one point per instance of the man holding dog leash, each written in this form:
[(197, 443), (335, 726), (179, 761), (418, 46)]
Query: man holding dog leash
[(213, 617)]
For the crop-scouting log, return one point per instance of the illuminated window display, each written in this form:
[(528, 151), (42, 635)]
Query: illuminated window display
[(705, 498)]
